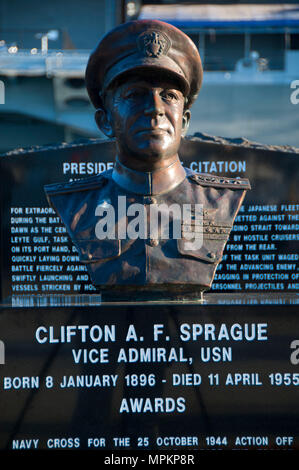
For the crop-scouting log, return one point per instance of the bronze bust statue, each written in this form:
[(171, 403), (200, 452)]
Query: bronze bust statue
[(142, 79)]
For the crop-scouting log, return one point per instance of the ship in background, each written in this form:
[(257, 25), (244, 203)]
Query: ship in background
[(250, 54)]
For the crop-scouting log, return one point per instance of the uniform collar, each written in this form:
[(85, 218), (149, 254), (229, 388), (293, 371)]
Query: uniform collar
[(152, 182)]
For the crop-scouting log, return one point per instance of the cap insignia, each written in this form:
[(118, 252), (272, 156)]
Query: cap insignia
[(153, 43)]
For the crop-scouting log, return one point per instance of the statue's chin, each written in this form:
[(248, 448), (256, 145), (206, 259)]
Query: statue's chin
[(153, 151)]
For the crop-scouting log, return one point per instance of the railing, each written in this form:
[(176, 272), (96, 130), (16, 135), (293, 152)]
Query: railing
[(33, 62)]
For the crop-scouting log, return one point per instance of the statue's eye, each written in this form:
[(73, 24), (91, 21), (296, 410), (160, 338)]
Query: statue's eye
[(134, 93), (169, 95)]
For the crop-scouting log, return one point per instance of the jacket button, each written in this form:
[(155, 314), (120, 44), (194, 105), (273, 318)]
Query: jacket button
[(211, 255), (153, 242)]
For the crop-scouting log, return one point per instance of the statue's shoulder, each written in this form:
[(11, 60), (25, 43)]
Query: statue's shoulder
[(207, 179), (84, 184)]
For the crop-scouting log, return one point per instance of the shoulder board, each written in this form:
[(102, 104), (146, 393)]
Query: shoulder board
[(85, 184), (205, 179)]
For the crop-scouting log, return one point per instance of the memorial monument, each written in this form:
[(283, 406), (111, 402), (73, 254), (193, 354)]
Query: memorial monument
[(142, 79), (79, 373)]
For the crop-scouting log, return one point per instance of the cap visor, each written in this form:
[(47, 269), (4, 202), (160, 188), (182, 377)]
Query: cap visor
[(129, 64)]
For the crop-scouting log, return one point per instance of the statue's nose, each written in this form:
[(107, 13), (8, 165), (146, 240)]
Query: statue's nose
[(154, 106)]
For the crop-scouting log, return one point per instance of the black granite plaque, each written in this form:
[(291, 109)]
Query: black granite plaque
[(221, 375), (261, 255)]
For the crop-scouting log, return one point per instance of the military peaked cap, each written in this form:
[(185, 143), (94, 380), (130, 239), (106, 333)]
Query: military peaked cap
[(138, 45)]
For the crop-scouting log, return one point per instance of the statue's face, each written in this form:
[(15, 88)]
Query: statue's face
[(147, 117)]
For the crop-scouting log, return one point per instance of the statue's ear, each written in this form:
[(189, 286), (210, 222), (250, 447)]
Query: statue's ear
[(186, 121), (104, 122)]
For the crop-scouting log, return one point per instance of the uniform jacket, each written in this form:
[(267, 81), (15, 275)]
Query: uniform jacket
[(149, 264)]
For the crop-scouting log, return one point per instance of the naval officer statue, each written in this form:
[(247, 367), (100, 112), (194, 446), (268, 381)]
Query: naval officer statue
[(142, 79)]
